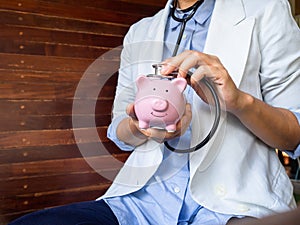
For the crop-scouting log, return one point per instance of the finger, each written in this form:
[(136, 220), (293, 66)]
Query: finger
[(158, 135), (190, 61), (130, 111), (182, 124), (203, 63), (185, 120), (172, 64), (201, 72), (168, 66), (184, 62), (188, 111)]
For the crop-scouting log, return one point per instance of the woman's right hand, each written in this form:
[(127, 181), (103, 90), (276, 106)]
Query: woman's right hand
[(159, 135)]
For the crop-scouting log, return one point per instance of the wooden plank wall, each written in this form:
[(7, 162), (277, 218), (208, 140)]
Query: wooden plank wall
[(297, 11), (295, 7), (45, 48)]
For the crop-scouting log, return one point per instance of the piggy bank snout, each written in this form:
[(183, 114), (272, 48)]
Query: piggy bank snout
[(159, 104)]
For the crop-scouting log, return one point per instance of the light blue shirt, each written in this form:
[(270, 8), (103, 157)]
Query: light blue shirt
[(166, 199), (195, 32)]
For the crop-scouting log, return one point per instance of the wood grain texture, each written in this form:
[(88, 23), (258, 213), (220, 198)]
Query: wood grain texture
[(51, 154)]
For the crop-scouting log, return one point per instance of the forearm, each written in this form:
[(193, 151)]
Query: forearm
[(277, 127), (129, 134)]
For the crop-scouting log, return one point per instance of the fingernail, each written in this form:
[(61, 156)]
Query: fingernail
[(163, 69)]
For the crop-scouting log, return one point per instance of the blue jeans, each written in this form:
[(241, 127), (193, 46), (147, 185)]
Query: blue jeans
[(83, 213)]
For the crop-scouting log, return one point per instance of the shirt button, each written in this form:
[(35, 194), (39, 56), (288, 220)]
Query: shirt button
[(220, 191), (243, 208), (184, 36), (176, 189)]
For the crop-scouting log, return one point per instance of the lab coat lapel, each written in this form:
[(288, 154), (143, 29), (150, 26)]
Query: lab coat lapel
[(158, 25), (229, 38), (150, 50), (153, 43)]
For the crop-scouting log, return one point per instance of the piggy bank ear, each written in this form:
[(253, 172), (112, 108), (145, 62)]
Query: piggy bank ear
[(180, 83), (141, 80)]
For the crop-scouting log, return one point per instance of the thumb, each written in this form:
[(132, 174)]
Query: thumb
[(130, 111)]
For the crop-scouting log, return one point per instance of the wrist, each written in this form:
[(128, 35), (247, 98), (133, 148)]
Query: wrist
[(129, 133), (136, 132), (244, 104)]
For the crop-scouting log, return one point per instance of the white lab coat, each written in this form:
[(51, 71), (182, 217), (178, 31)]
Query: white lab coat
[(258, 42)]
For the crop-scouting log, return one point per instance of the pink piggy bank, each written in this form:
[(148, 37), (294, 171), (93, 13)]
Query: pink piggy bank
[(159, 102)]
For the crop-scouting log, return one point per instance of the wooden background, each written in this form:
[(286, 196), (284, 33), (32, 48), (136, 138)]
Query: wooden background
[(45, 48), (296, 10)]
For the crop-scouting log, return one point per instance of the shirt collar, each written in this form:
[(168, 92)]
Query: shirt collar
[(202, 14)]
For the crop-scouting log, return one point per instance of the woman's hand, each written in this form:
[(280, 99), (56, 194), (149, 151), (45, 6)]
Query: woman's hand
[(208, 66), (159, 135)]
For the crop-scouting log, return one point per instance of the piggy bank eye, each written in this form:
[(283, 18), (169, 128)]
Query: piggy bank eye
[(154, 89), (167, 90)]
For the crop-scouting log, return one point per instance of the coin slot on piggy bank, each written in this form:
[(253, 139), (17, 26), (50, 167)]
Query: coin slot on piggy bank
[(159, 102)]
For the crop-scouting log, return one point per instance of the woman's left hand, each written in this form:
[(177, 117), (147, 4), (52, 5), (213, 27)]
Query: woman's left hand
[(210, 67)]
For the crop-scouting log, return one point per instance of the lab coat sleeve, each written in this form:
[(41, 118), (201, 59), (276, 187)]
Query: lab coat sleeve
[(124, 95), (280, 70), (280, 64), (112, 134)]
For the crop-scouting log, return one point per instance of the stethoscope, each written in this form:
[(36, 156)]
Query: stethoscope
[(214, 128), (183, 21)]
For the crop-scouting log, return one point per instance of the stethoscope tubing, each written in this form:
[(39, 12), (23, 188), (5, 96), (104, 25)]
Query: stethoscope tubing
[(204, 80), (183, 22), (214, 127)]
